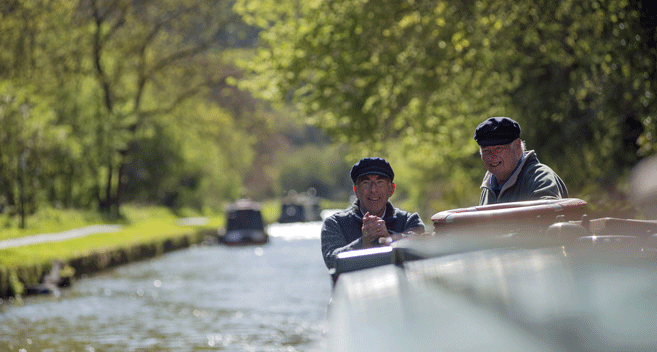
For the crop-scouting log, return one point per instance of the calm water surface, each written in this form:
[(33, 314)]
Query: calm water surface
[(207, 298)]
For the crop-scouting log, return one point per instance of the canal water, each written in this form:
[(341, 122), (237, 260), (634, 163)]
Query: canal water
[(272, 297)]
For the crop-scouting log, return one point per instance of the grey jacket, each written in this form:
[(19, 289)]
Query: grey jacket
[(531, 180), (341, 231)]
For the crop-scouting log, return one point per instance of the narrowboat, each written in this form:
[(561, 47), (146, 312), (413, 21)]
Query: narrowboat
[(300, 208), (244, 224), (523, 276)]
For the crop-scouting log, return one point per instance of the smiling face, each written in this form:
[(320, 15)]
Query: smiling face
[(373, 192), (501, 160)]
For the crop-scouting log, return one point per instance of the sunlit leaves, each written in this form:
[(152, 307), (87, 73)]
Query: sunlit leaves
[(29, 133), (426, 72), (98, 77)]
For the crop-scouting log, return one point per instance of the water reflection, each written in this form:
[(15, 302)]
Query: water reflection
[(269, 298)]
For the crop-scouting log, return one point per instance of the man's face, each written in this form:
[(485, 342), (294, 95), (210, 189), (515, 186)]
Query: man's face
[(501, 160), (373, 192)]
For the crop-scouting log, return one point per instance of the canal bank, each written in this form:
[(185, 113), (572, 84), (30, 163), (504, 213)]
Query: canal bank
[(40, 276), (272, 298)]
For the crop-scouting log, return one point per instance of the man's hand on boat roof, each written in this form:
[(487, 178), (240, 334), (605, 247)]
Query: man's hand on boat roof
[(386, 241), (374, 231), (395, 236)]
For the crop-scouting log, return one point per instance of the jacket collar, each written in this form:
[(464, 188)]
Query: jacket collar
[(488, 178)]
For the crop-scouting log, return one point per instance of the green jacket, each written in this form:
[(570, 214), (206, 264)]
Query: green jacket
[(531, 180)]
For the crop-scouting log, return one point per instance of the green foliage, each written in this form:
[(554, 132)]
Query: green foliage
[(419, 75), (114, 98), (114, 101), (271, 211), (16, 286), (148, 61), (585, 77), (220, 154), (28, 133), (322, 169)]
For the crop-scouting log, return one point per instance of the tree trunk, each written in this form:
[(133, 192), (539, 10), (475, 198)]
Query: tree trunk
[(106, 204)]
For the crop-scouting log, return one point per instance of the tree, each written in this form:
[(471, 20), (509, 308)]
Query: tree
[(138, 50), (113, 79), (586, 70), (26, 134), (321, 169), (46, 52), (420, 75)]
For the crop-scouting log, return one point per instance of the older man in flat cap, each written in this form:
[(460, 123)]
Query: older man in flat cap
[(514, 174), (371, 220)]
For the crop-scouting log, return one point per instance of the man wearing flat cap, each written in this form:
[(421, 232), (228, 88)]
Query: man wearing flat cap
[(371, 221), (514, 174)]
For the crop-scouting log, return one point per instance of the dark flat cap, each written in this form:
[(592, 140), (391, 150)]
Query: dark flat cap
[(372, 166), (497, 131)]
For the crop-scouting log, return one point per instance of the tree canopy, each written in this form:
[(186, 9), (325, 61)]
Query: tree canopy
[(412, 78), (105, 101)]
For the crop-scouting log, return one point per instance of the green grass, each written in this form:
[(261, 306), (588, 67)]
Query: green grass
[(138, 225), (48, 220), (146, 231)]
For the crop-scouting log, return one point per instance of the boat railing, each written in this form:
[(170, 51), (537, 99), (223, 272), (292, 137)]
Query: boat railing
[(519, 224)]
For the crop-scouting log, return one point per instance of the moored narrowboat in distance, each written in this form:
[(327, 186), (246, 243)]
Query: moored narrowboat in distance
[(244, 224), (302, 207)]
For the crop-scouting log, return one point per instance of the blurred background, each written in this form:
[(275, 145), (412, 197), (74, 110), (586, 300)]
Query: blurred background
[(193, 104)]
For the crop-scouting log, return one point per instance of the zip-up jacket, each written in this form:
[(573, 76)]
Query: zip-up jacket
[(341, 231), (531, 180)]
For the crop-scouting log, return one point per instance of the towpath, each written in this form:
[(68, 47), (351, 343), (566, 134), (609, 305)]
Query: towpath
[(58, 236), (81, 232)]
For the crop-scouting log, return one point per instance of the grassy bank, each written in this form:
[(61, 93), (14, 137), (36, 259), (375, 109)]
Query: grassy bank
[(144, 232)]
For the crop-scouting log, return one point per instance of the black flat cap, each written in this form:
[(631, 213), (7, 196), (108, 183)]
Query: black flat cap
[(371, 166), (497, 131)]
